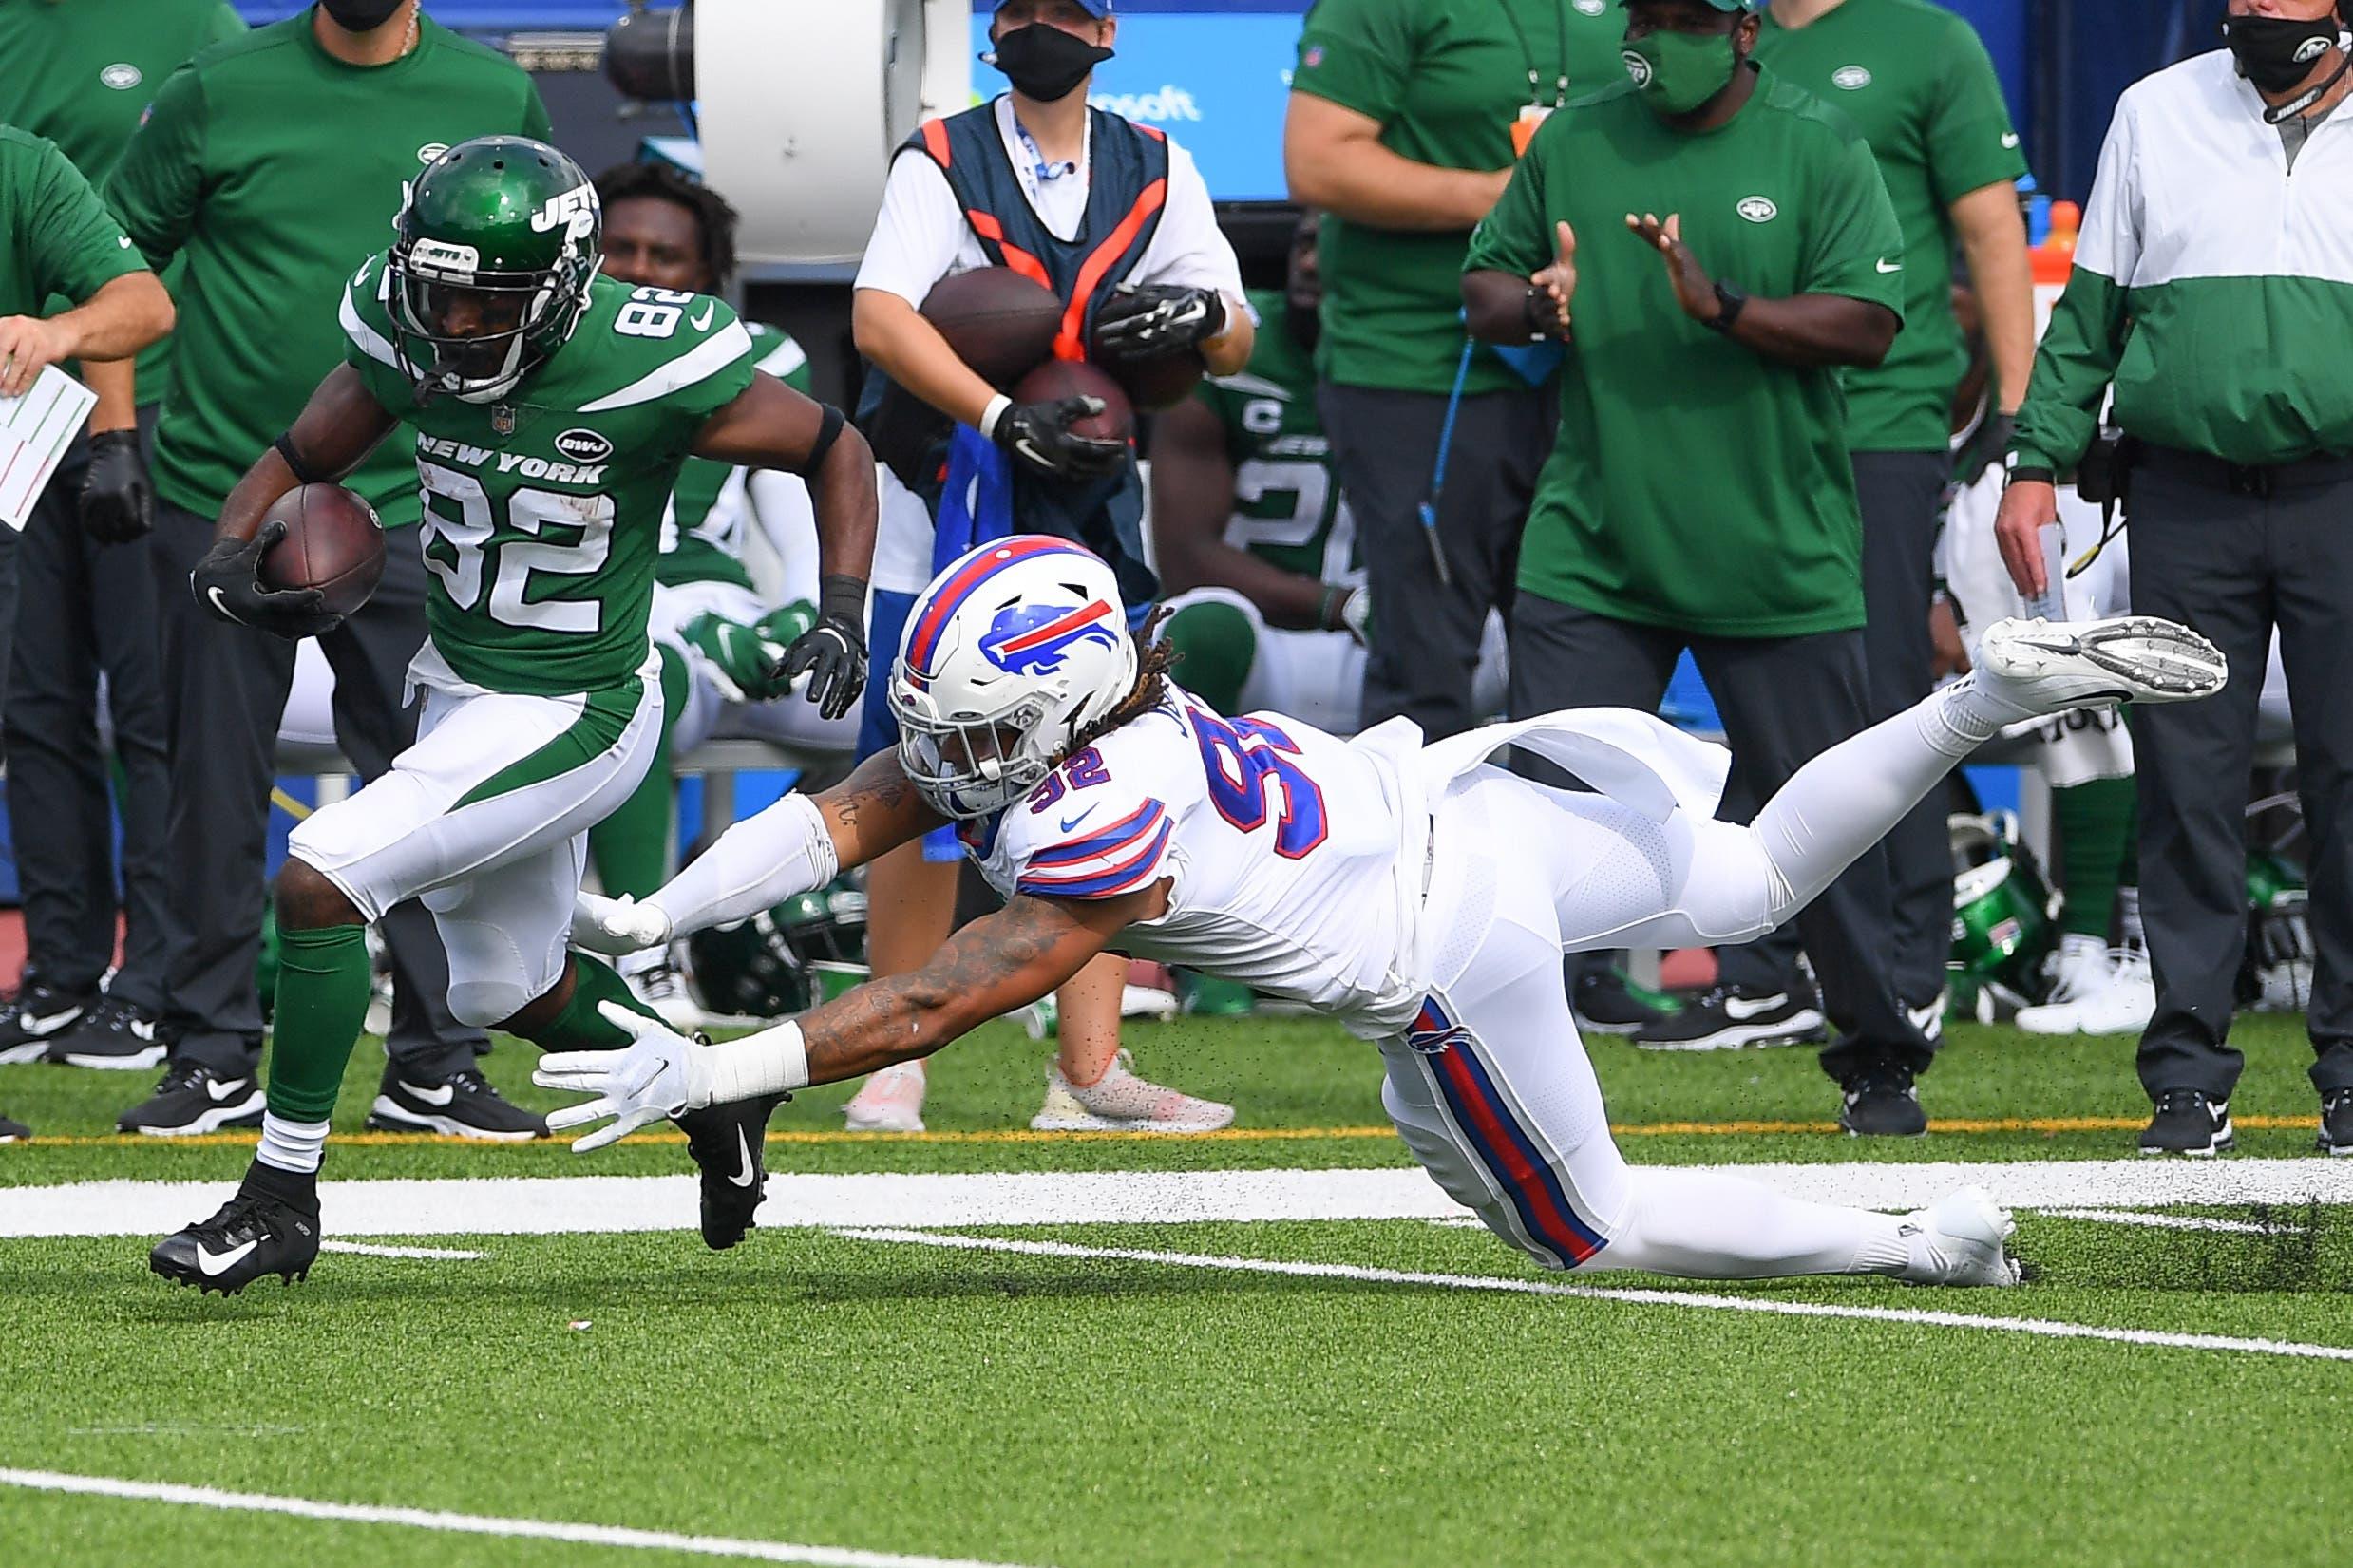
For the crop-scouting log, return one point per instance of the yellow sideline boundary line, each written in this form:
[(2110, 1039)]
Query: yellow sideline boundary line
[(1230, 1135)]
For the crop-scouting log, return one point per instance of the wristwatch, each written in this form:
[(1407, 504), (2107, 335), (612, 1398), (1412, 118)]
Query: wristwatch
[(1733, 299)]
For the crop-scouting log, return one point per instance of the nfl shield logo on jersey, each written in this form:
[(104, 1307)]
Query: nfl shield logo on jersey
[(1026, 639)]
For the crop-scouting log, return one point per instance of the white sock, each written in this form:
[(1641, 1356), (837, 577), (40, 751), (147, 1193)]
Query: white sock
[(1700, 1225), (1958, 718), (296, 1146), (2129, 929)]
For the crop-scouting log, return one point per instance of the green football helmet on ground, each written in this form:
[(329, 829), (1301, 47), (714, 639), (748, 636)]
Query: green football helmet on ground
[(2006, 920), (765, 967), (2276, 976), (495, 250)]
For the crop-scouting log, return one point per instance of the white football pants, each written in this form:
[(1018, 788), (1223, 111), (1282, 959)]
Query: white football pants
[(1491, 1087)]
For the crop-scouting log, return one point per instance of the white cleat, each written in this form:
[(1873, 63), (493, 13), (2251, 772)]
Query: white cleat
[(2040, 668), (1960, 1242), (1120, 1102), (2117, 997), (891, 1101)]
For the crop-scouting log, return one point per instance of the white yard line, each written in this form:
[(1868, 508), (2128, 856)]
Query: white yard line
[(479, 1524), (561, 1205), (2045, 1328), (366, 1249), (2162, 1221)]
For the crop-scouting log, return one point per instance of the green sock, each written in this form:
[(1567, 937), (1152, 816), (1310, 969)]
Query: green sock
[(580, 1025), (631, 847), (322, 1005), (2096, 830), (1215, 648)]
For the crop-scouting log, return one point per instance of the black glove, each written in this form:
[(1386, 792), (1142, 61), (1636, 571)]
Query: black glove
[(1039, 436), (118, 502), (1989, 449), (1155, 320), (833, 652), (227, 582)]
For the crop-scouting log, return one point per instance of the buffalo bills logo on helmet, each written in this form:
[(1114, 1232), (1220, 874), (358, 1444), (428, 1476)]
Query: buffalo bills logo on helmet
[(1032, 639)]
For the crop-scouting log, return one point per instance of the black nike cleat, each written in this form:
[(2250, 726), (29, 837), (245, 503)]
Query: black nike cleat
[(461, 1105), (729, 1144), (115, 1034), (194, 1099), (33, 1022), (1727, 1018), (2189, 1122), (256, 1233), (2335, 1122), (1878, 1101)]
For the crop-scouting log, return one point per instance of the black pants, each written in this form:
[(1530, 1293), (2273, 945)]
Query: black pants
[(1784, 701), (2233, 566), (1902, 494), (87, 611), (226, 690), (1384, 448)]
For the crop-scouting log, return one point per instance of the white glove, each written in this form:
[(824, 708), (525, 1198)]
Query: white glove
[(660, 1074), (1357, 614), (616, 927)]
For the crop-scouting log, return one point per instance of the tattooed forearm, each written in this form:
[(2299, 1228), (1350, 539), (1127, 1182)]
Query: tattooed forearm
[(991, 967), (875, 810)]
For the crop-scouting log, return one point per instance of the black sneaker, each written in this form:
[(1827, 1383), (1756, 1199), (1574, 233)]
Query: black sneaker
[(1880, 1101), (1727, 1016), (2337, 1122), (1606, 1002), (115, 1034), (463, 1104), (37, 1016), (260, 1231), (2188, 1122), (193, 1098), (729, 1144), (14, 1132)]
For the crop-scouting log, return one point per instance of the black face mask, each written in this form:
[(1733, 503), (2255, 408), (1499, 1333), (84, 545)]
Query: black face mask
[(1045, 63), (359, 15), (2274, 52)]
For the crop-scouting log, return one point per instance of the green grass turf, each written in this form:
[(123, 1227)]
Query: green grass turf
[(817, 1388), (1281, 1073)]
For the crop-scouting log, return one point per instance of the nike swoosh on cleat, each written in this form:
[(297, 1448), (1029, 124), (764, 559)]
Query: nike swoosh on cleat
[(1741, 1008), (43, 1023), (229, 1091), (432, 1094), (213, 1263), (745, 1175)]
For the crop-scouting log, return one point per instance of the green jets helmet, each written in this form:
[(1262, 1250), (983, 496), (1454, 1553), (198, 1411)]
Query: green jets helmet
[(495, 250), (767, 967), (2006, 919)]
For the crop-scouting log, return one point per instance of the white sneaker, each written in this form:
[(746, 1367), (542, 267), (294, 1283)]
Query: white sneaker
[(2039, 667), (2118, 998), (1960, 1242), (1119, 1101), (891, 1101)]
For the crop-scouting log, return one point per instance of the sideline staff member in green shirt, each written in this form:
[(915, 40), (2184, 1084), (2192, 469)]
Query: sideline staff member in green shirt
[(1404, 118), (275, 163), (82, 74), (58, 240), (1916, 81), (1714, 247)]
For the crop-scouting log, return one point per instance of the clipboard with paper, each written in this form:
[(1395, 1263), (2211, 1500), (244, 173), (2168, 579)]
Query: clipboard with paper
[(35, 430)]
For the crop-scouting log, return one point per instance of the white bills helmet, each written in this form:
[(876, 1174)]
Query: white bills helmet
[(1008, 655)]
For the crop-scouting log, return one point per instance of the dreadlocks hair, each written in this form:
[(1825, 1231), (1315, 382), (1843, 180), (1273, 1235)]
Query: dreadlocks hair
[(714, 216), (1155, 658)]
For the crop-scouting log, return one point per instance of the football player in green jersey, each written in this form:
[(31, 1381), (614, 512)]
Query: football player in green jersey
[(1255, 540), (718, 637), (553, 407)]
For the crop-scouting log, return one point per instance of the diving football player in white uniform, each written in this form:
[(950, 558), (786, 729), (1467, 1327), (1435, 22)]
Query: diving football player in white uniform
[(1416, 893)]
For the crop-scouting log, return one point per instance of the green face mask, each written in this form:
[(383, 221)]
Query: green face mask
[(1679, 71)]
